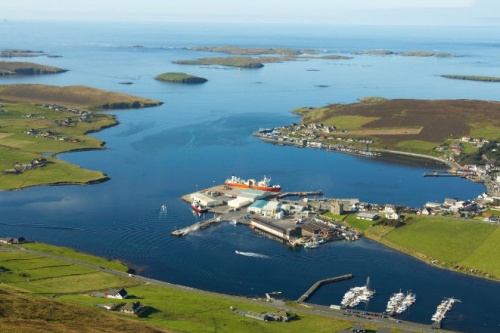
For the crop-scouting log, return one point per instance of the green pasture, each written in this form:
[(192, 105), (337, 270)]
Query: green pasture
[(417, 146), (350, 123), (76, 255), (485, 131), (18, 146), (172, 309), (358, 224), (485, 256), (446, 240), (189, 312)]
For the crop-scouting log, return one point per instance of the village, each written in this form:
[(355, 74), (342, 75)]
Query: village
[(330, 138)]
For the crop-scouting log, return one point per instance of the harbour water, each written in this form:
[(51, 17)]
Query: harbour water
[(202, 135)]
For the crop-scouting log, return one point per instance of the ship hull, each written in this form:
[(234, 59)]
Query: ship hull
[(254, 187)]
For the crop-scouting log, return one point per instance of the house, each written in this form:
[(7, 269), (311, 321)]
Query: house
[(390, 212), (367, 215), (135, 308), (116, 293), (13, 240)]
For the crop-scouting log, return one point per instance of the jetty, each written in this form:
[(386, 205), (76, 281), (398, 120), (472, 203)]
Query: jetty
[(441, 311), (441, 174), (298, 194), (198, 225), (319, 283)]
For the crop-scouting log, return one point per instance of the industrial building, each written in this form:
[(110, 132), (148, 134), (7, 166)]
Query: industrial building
[(206, 200)]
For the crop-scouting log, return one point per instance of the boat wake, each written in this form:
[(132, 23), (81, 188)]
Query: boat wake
[(252, 254)]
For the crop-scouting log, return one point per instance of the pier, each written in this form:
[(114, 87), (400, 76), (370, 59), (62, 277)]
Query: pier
[(441, 174), (298, 194), (442, 308), (196, 226), (318, 284)]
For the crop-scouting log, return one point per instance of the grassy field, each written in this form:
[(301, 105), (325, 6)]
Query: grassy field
[(451, 243), (417, 146), (31, 281), (19, 116)]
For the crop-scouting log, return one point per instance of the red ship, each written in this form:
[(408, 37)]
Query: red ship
[(263, 185), (198, 208)]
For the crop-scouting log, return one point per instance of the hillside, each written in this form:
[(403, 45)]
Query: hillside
[(72, 96), (409, 124), (26, 68)]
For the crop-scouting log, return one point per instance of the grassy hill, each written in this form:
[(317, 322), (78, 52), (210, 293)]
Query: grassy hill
[(409, 124)]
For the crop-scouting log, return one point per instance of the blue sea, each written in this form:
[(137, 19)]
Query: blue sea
[(203, 133)]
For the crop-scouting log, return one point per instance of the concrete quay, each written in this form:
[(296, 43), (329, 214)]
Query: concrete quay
[(319, 283)]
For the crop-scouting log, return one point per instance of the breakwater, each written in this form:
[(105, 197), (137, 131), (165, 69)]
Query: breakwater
[(319, 283)]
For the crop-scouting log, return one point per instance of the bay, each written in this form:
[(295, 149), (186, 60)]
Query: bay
[(202, 135)]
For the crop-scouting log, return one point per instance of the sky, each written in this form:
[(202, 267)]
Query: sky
[(386, 12)]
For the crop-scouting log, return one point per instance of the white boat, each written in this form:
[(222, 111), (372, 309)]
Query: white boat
[(356, 295), (233, 222), (312, 244)]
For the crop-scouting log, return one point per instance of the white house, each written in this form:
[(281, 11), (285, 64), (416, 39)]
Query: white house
[(390, 212)]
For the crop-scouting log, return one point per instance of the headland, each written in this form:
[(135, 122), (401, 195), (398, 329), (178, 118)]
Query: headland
[(37, 122)]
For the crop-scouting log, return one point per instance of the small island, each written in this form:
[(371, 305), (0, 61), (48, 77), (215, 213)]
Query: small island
[(176, 77), (284, 51), (240, 62), (11, 53), (472, 78), (37, 122), (8, 68), (408, 54)]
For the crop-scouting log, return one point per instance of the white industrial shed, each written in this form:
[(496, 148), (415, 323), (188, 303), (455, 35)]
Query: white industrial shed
[(206, 200)]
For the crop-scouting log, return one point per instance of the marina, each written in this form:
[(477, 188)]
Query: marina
[(399, 302), (357, 295), (441, 311)]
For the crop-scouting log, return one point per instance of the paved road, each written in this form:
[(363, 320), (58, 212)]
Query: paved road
[(313, 309)]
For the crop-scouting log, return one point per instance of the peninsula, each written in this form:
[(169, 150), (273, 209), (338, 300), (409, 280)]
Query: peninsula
[(8, 68), (37, 122), (472, 78)]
